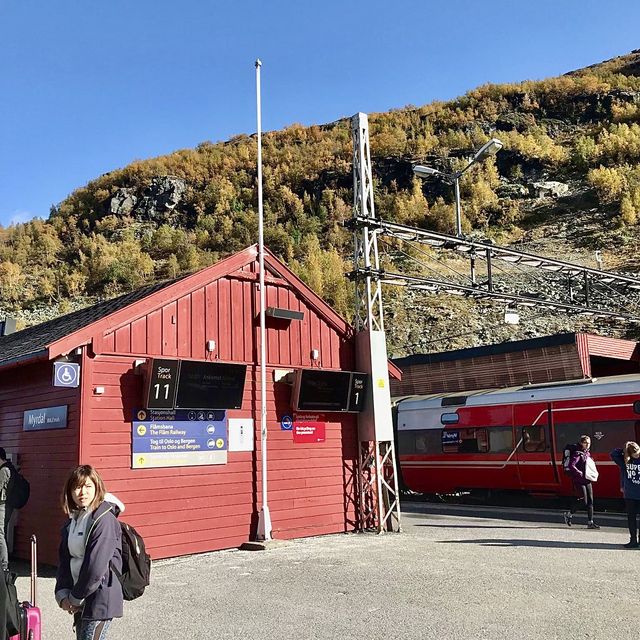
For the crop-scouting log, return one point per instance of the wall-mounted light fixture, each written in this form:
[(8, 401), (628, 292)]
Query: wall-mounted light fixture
[(315, 354), (211, 345), (284, 314), (98, 391)]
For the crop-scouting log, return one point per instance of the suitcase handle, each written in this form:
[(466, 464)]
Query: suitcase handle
[(34, 570)]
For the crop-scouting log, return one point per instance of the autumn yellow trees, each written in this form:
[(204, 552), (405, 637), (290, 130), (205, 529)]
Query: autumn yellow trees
[(583, 127)]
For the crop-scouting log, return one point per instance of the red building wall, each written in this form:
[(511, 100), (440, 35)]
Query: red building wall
[(45, 457), (201, 508)]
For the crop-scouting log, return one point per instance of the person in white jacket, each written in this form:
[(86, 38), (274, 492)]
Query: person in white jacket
[(90, 555)]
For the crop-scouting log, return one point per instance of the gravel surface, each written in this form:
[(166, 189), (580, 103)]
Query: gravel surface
[(446, 576)]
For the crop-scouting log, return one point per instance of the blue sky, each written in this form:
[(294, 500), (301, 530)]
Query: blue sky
[(87, 87)]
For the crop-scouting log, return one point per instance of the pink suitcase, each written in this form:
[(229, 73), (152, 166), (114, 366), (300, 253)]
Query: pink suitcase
[(30, 619)]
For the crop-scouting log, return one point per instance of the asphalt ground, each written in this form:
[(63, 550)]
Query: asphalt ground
[(454, 572)]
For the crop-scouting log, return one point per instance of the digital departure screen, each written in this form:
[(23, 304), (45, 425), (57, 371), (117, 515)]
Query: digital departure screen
[(328, 391), (210, 385)]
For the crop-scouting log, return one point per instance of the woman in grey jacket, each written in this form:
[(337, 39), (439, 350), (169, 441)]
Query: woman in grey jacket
[(90, 551)]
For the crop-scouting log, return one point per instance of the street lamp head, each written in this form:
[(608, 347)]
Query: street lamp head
[(489, 149), (422, 172)]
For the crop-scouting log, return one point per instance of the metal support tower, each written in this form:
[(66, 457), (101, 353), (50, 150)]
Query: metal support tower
[(379, 499)]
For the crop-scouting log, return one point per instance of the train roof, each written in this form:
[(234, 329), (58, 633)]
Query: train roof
[(564, 390)]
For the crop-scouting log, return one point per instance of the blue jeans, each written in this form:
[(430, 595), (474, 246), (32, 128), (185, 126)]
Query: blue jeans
[(92, 629)]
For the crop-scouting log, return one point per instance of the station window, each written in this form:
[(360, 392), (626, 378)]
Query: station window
[(473, 440), (534, 439), (500, 440)]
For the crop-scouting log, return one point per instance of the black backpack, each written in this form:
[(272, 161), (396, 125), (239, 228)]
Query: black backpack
[(18, 489), (567, 452), (136, 564)]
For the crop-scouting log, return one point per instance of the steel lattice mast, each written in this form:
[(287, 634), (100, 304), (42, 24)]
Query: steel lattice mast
[(379, 499)]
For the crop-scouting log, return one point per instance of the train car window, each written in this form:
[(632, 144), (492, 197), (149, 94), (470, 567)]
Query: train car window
[(636, 406), (570, 432), (428, 441), (605, 436), (500, 440), (608, 435), (406, 442), (534, 439), (469, 441)]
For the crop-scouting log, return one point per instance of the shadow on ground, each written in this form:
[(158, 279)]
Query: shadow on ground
[(554, 544)]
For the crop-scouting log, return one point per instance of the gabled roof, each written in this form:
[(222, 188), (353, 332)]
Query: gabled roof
[(32, 343), (61, 335)]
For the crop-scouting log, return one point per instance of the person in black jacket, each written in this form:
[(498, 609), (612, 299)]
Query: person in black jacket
[(6, 469), (90, 555)]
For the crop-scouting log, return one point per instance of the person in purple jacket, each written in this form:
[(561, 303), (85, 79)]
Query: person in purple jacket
[(582, 486), (628, 459), (90, 554)]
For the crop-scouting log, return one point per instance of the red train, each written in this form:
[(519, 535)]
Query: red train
[(512, 439)]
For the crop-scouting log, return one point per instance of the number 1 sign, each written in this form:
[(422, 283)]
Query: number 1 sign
[(162, 383)]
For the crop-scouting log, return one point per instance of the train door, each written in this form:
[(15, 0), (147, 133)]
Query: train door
[(535, 446)]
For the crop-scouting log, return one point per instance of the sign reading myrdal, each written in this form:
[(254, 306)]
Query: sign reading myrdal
[(165, 442), (45, 418)]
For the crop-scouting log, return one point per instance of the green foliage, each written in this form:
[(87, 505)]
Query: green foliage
[(620, 143), (628, 211), (323, 271), (609, 182), (12, 281)]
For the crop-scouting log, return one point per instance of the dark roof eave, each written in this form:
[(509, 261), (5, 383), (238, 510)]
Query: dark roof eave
[(36, 356)]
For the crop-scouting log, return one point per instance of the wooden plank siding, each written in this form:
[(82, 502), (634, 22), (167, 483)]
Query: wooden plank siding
[(45, 457), (217, 505), (586, 355), (490, 372), (312, 487), (227, 311)]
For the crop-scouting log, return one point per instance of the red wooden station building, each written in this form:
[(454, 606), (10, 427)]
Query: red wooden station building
[(73, 390)]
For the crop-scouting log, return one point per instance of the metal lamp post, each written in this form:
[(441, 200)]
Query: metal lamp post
[(489, 149)]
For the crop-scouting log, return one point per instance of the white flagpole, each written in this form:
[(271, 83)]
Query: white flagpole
[(264, 519)]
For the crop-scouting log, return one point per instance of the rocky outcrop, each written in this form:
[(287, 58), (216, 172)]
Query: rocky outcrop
[(123, 202), (162, 196), (549, 189)]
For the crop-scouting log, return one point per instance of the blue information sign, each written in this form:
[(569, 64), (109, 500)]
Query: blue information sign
[(66, 374), (162, 442), (45, 418), (154, 415), (286, 424), (450, 437)]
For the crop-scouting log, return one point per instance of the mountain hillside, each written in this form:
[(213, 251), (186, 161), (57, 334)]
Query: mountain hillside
[(566, 183)]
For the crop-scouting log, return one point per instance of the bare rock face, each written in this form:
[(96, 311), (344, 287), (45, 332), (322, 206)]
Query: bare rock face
[(162, 195), (550, 189), (123, 202), (157, 200)]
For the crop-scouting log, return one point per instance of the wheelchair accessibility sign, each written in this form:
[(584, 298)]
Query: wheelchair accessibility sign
[(66, 374)]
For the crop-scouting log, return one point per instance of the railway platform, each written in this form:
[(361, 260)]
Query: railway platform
[(455, 572)]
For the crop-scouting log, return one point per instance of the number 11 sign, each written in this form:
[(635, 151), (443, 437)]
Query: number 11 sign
[(162, 384)]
